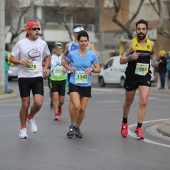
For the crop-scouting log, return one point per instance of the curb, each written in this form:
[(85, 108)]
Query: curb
[(164, 128), (7, 96), (162, 91)]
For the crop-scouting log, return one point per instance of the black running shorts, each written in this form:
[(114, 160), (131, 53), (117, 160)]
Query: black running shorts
[(27, 84), (133, 82), (58, 86), (83, 91)]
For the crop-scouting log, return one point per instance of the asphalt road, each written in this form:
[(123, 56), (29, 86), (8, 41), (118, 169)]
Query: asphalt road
[(101, 148)]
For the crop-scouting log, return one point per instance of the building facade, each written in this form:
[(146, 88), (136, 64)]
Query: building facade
[(56, 18), (112, 34)]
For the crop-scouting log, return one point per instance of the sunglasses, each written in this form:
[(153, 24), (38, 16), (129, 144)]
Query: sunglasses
[(35, 28)]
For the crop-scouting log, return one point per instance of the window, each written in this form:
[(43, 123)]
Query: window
[(108, 4), (109, 64), (147, 2)]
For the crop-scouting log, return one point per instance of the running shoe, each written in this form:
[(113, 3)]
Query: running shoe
[(78, 133), (71, 132), (33, 126), (59, 111), (124, 130), (23, 134), (138, 133), (56, 117), (51, 105)]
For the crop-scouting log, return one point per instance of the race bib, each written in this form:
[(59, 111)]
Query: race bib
[(58, 71), (81, 77), (141, 69), (33, 67)]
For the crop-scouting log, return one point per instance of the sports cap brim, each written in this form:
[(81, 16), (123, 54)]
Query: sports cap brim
[(77, 29)]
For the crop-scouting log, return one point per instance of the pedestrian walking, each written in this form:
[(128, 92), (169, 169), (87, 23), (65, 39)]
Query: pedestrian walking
[(29, 53), (137, 54), (79, 62)]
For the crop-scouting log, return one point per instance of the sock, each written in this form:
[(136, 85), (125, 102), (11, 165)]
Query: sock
[(30, 117), (139, 125), (124, 120), (22, 127)]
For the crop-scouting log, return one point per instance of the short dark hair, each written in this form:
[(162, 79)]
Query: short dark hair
[(82, 34), (141, 21)]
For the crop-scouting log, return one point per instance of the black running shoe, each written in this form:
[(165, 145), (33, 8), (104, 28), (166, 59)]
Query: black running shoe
[(71, 132), (78, 133)]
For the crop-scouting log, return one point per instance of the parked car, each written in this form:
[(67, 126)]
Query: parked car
[(113, 72), (13, 72)]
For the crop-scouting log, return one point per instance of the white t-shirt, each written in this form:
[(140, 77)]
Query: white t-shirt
[(56, 68), (35, 52)]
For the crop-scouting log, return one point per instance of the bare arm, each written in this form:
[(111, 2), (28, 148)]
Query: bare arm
[(65, 64), (97, 68), (15, 60), (124, 59), (46, 66), (91, 47), (65, 53), (153, 56), (47, 62)]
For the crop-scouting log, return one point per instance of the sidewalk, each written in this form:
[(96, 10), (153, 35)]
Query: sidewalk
[(7, 96)]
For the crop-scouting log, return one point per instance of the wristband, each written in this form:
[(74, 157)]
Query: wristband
[(92, 70), (130, 57)]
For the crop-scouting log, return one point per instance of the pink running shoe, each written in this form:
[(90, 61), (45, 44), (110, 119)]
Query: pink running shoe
[(56, 117), (139, 133), (124, 130), (59, 111)]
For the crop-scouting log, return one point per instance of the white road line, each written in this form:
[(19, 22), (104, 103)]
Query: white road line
[(9, 115), (111, 101), (147, 140)]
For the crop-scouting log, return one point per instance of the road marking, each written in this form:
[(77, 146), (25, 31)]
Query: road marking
[(8, 115), (147, 140), (111, 101)]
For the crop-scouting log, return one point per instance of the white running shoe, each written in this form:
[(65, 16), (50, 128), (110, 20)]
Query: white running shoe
[(33, 126), (23, 134)]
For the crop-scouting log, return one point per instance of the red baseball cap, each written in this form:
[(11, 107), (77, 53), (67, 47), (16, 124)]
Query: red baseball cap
[(30, 25)]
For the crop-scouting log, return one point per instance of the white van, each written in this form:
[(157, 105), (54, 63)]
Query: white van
[(114, 73)]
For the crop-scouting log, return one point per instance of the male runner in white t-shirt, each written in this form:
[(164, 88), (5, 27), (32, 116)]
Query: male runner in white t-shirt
[(29, 54)]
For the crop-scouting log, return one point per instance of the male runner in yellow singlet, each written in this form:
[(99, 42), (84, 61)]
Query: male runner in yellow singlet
[(137, 54)]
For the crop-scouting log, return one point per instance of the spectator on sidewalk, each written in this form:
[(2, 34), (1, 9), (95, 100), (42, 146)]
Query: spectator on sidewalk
[(168, 67), (7, 64), (162, 68)]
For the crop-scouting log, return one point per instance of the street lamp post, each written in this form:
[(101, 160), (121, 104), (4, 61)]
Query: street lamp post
[(2, 45)]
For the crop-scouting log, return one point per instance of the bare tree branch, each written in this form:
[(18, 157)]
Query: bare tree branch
[(154, 8), (125, 28), (160, 27), (117, 5), (134, 16)]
